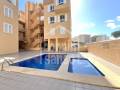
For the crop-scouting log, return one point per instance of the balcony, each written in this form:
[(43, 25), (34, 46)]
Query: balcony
[(58, 34)]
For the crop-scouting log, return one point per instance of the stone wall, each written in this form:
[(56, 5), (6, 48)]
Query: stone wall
[(108, 50)]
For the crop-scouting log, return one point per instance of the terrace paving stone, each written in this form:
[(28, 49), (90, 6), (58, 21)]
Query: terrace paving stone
[(25, 81), (18, 81)]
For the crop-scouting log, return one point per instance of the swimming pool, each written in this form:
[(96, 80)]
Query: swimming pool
[(83, 66), (46, 62)]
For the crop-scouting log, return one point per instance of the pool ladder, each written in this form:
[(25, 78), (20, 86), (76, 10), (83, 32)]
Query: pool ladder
[(9, 62)]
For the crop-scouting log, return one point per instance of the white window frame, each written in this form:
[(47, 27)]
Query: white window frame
[(7, 28), (60, 3), (64, 20), (61, 18), (8, 12), (50, 21), (51, 8)]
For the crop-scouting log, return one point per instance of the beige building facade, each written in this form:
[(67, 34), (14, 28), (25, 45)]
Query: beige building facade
[(21, 27), (57, 24), (8, 26), (31, 27), (34, 19)]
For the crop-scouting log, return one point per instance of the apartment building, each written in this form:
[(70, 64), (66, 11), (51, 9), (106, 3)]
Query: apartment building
[(34, 26), (8, 26), (98, 38), (81, 40), (57, 24)]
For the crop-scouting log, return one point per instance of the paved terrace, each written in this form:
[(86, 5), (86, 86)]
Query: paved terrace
[(19, 81)]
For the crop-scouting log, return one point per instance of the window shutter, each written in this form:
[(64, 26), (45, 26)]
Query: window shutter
[(55, 18), (4, 11), (48, 20), (66, 17), (48, 8), (56, 2), (65, 1), (58, 18), (11, 13), (10, 28), (4, 27), (7, 27)]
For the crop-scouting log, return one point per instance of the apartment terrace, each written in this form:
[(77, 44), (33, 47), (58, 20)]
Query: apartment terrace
[(14, 77)]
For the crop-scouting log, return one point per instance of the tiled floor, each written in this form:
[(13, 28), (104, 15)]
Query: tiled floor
[(17, 81)]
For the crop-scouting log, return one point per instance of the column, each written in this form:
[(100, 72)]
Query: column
[(56, 44), (49, 46), (69, 45), (65, 45)]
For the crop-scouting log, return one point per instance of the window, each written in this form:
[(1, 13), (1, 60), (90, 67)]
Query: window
[(62, 30), (8, 12), (12, 1), (7, 28), (51, 8), (62, 18), (51, 20), (61, 2)]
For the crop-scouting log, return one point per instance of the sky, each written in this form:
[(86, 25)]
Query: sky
[(94, 17)]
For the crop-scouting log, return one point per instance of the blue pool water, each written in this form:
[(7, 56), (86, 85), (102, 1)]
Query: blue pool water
[(83, 66), (47, 62)]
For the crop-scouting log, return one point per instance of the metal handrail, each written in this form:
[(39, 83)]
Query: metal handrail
[(7, 61)]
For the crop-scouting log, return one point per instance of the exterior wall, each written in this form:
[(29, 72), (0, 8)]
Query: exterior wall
[(109, 50), (34, 26), (8, 41), (21, 25), (37, 28), (79, 42), (54, 40), (83, 38)]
